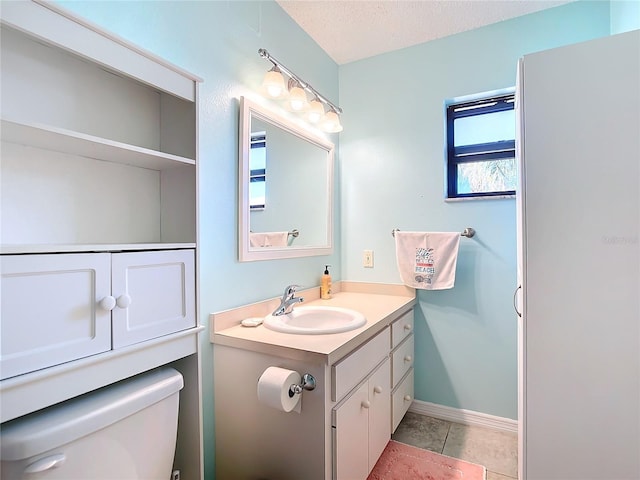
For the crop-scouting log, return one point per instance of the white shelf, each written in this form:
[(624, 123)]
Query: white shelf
[(76, 248), (26, 393), (75, 143)]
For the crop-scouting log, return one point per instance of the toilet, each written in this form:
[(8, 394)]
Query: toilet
[(123, 431)]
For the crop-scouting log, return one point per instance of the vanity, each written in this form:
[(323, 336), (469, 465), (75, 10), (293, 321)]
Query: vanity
[(364, 386)]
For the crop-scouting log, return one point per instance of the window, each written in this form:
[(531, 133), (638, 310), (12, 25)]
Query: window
[(257, 171), (481, 148)]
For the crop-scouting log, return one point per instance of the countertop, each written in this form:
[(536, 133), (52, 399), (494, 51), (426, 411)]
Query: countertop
[(380, 309)]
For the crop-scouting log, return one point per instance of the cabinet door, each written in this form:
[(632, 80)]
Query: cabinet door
[(155, 294), (379, 412), (52, 311), (351, 436)]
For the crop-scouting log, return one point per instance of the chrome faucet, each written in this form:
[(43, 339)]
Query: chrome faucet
[(288, 301)]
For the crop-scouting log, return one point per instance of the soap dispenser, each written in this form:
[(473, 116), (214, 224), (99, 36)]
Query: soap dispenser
[(325, 284)]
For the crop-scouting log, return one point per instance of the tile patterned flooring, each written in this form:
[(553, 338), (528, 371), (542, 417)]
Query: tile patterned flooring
[(496, 450)]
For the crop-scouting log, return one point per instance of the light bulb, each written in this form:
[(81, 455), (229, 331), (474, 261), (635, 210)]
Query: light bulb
[(331, 123), (274, 82), (298, 99), (316, 111)]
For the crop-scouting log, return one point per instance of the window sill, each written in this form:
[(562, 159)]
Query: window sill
[(467, 199)]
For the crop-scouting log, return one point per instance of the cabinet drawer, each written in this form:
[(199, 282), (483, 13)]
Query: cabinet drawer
[(401, 329), (402, 360), (51, 310), (348, 372), (401, 400)]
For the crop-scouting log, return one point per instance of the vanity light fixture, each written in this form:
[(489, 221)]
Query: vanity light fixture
[(274, 83), (314, 110), (297, 96), (331, 122)]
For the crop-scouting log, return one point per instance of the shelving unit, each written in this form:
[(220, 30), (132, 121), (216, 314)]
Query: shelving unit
[(99, 167)]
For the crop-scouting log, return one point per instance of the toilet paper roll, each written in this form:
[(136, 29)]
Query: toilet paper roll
[(273, 389)]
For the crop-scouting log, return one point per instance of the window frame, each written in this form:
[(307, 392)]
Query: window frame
[(477, 152)]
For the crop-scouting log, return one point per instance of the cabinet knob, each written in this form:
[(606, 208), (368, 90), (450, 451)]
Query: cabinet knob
[(108, 303), (407, 327), (408, 358), (366, 404), (377, 389), (123, 301), (407, 398)]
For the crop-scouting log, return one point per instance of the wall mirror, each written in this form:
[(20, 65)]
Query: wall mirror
[(285, 187)]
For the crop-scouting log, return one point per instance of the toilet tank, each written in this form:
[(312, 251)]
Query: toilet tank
[(122, 431)]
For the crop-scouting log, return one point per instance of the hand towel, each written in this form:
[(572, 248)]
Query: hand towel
[(269, 239), (427, 260)]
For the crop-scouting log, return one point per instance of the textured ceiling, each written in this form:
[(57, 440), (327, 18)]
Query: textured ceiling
[(349, 30)]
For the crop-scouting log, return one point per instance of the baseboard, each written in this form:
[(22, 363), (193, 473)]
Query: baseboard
[(465, 417)]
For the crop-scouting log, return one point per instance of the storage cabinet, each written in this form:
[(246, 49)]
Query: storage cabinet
[(98, 179), (58, 308)]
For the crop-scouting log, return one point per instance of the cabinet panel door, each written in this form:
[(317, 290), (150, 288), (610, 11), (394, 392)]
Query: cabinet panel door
[(380, 412), (51, 310), (155, 293), (351, 437)]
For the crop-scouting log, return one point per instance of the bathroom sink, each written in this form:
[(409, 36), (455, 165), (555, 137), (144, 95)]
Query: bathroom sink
[(315, 320)]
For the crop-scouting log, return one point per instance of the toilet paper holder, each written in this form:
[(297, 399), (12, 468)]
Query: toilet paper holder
[(307, 382)]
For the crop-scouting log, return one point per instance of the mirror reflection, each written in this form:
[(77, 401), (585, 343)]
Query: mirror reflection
[(285, 187)]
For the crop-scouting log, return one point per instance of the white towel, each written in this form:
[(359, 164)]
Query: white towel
[(427, 260), (269, 239)]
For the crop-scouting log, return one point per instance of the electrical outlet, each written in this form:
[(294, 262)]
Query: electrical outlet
[(367, 259)]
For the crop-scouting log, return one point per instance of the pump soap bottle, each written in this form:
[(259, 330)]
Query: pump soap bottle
[(325, 284)]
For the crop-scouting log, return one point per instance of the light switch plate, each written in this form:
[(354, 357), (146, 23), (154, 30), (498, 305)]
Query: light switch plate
[(367, 259)]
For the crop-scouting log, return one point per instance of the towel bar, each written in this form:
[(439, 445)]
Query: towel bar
[(467, 232)]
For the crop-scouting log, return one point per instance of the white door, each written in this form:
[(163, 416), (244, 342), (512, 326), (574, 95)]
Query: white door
[(155, 294), (379, 412), (55, 308), (580, 345), (351, 437)]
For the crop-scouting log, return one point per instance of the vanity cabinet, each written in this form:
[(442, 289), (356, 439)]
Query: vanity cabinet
[(98, 216), (344, 423), (402, 350)]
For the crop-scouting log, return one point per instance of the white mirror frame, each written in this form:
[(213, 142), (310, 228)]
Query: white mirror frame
[(249, 110)]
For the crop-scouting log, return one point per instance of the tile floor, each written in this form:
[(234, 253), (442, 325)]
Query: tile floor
[(497, 451)]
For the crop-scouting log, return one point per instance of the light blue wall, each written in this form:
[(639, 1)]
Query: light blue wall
[(625, 15), (219, 41), (392, 161)]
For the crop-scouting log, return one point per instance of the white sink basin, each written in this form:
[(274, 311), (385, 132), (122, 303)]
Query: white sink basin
[(315, 320)]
